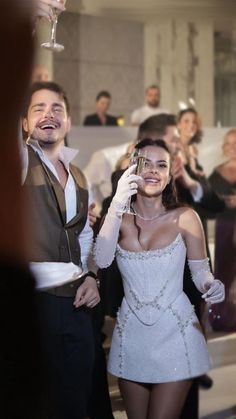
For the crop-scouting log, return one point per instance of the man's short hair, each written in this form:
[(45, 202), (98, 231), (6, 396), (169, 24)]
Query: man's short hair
[(103, 93), (152, 86), (47, 85), (156, 125)]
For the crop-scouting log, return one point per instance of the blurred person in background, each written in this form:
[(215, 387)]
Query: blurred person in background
[(101, 117), (207, 204), (40, 73), (223, 182), (151, 107), (190, 134), (99, 169)]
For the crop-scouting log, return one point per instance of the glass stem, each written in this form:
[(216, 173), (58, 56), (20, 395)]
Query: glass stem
[(54, 28), (128, 205)]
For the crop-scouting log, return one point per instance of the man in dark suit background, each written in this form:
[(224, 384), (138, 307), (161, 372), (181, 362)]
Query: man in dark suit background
[(101, 117)]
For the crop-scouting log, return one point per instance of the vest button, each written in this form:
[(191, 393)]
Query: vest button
[(76, 232)]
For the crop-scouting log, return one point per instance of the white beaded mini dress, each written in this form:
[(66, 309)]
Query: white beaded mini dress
[(157, 337)]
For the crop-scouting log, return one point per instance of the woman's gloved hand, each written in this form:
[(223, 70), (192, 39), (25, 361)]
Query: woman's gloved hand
[(126, 187), (215, 293)]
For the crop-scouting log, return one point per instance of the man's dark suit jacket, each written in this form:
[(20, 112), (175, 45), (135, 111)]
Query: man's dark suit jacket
[(94, 120)]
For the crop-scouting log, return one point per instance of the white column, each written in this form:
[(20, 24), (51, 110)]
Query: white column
[(205, 72), (179, 57)]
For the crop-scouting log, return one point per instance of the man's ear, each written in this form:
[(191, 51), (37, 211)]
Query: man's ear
[(68, 124), (25, 125)]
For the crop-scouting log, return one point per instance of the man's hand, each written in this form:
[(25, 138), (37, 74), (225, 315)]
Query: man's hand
[(91, 214), (87, 294), (44, 8)]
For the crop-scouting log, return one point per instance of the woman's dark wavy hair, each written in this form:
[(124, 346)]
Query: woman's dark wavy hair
[(197, 138), (169, 195)]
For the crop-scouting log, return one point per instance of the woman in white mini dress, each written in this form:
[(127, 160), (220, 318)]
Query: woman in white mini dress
[(157, 345)]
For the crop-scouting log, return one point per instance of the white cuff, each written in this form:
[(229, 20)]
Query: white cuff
[(197, 193), (54, 274)]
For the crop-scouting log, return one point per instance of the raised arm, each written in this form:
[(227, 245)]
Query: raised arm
[(107, 238), (192, 230)]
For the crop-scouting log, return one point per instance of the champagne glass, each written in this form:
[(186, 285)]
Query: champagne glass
[(140, 159), (137, 157), (52, 45)]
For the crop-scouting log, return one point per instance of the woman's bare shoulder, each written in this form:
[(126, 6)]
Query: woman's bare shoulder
[(185, 212), (189, 221), (182, 216)]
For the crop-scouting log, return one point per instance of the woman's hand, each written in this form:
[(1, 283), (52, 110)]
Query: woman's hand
[(126, 187), (215, 293)]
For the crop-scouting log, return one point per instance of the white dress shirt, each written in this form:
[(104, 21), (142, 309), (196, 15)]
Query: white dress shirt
[(141, 114), (99, 170)]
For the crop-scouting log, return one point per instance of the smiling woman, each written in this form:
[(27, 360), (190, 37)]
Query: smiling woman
[(156, 317)]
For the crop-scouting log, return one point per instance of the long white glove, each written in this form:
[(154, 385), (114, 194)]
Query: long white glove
[(126, 187), (105, 246), (213, 289)]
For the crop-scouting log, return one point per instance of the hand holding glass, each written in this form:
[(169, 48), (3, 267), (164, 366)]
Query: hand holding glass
[(137, 157), (52, 45)]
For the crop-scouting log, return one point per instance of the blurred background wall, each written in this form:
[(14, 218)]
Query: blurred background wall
[(187, 48)]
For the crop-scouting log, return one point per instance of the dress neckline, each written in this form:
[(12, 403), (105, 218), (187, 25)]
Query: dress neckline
[(176, 240), (227, 181)]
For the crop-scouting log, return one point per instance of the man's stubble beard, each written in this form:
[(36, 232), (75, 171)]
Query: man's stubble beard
[(45, 143), (48, 143)]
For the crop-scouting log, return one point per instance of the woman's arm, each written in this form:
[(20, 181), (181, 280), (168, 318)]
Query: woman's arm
[(192, 231), (105, 246), (106, 241)]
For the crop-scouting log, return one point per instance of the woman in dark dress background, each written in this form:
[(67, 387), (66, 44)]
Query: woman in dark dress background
[(223, 181)]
